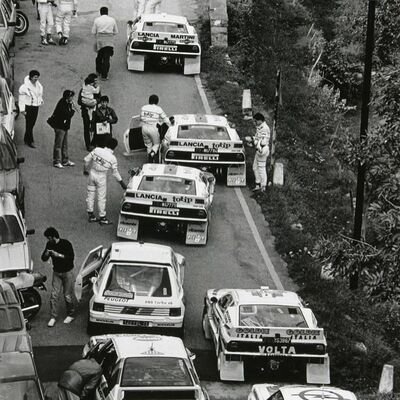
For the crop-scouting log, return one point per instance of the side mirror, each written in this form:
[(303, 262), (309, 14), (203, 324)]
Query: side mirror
[(30, 231), (192, 356), (28, 326), (213, 299), (93, 279)]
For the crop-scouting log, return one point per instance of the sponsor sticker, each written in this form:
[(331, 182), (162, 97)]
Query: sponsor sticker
[(119, 295), (205, 157), (172, 212), (277, 350), (165, 47), (312, 394)]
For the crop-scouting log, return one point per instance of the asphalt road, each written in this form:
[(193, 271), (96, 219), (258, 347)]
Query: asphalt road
[(57, 197)]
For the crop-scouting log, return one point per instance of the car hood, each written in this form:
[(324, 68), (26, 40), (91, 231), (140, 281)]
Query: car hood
[(14, 257)]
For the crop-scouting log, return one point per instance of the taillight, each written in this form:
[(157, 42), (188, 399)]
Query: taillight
[(202, 213), (135, 44), (320, 348), (238, 145), (175, 312), (232, 346), (195, 48), (170, 154), (173, 143), (127, 207), (98, 307), (239, 156)]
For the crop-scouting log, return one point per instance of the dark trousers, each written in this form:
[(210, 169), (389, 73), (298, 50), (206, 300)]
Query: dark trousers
[(30, 121), (103, 60), (60, 150), (86, 127)]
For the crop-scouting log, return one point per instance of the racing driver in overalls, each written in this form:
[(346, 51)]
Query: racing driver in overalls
[(97, 164)]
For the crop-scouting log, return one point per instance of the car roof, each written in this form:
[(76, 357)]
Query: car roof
[(163, 17), (171, 170), (267, 296), (141, 252), (7, 204), (294, 392), (201, 119), (14, 365)]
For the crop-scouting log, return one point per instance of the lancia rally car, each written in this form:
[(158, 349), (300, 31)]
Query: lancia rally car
[(168, 38), (206, 141), (145, 367), (137, 285), (257, 328), (264, 391), (173, 197)]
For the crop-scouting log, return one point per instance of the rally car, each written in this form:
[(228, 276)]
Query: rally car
[(175, 198), (169, 39), (135, 285), (253, 329), (206, 141), (264, 391), (144, 367)]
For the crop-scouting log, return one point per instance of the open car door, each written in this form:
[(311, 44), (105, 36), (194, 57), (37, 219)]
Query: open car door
[(89, 269), (133, 139)]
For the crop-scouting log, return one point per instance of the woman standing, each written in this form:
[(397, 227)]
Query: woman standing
[(103, 118), (62, 116)]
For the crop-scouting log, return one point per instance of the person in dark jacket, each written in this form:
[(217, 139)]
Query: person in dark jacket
[(80, 380), (103, 118), (62, 254), (62, 115)]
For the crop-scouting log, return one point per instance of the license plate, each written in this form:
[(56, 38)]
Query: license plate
[(205, 157), (165, 47), (282, 340), (136, 323)]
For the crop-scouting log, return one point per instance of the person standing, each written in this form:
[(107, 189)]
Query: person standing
[(29, 100), (102, 120), (96, 165), (151, 115), (153, 7), (62, 255), (63, 113), (65, 10), (261, 144), (45, 10), (104, 28)]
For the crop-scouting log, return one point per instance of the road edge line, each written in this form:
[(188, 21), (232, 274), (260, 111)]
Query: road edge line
[(242, 201)]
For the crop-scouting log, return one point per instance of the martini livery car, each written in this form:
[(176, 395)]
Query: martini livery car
[(264, 391), (145, 367), (258, 328), (138, 285), (171, 196), (168, 38), (206, 141)]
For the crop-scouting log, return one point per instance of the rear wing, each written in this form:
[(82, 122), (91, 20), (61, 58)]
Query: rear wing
[(293, 334), (211, 145)]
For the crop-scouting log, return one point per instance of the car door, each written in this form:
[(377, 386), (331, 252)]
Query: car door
[(89, 269), (133, 139)]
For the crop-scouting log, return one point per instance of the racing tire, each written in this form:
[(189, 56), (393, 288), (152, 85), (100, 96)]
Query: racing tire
[(22, 23), (205, 324), (30, 297)]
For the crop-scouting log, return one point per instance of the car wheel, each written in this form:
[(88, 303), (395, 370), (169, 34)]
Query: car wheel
[(22, 23), (92, 328), (206, 325), (31, 301)]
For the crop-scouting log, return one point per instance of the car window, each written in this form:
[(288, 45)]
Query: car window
[(10, 319), (155, 371), (138, 280), (108, 363), (2, 21), (202, 132), (225, 301), (7, 10), (10, 230), (167, 27), (5, 95), (277, 396), (271, 315), (167, 184), (24, 389)]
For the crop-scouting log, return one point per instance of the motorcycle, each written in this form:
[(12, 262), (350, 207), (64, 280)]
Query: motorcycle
[(27, 285), (22, 21)]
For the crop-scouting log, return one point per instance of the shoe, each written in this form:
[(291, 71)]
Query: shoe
[(51, 322), (44, 41), (256, 188), (58, 165), (60, 38), (65, 41), (68, 164), (32, 145), (104, 78), (104, 221), (263, 188), (93, 218), (68, 320), (51, 41)]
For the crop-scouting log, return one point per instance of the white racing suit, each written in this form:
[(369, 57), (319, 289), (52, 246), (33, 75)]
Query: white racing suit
[(261, 143), (150, 116), (64, 16), (45, 10), (100, 160)]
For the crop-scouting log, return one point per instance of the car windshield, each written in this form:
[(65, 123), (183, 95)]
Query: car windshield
[(203, 132), (10, 319), (138, 280), (167, 184), (21, 390), (10, 231), (271, 315), (155, 371), (167, 27)]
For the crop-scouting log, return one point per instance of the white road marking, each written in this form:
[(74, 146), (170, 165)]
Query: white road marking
[(243, 204)]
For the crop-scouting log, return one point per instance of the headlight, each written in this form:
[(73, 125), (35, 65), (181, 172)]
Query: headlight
[(98, 307), (175, 312), (320, 348)]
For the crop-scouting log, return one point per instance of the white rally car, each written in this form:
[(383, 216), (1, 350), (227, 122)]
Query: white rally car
[(206, 141), (137, 285), (258, 328), (173, 197), (168, 38), (264, 391), (144, 367)]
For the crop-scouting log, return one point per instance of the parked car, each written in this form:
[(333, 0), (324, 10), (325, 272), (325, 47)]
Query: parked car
[(7, 107), (136, 285), (6, 66), (15, 254), (145, 367), (19, 379), (8, 18)]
